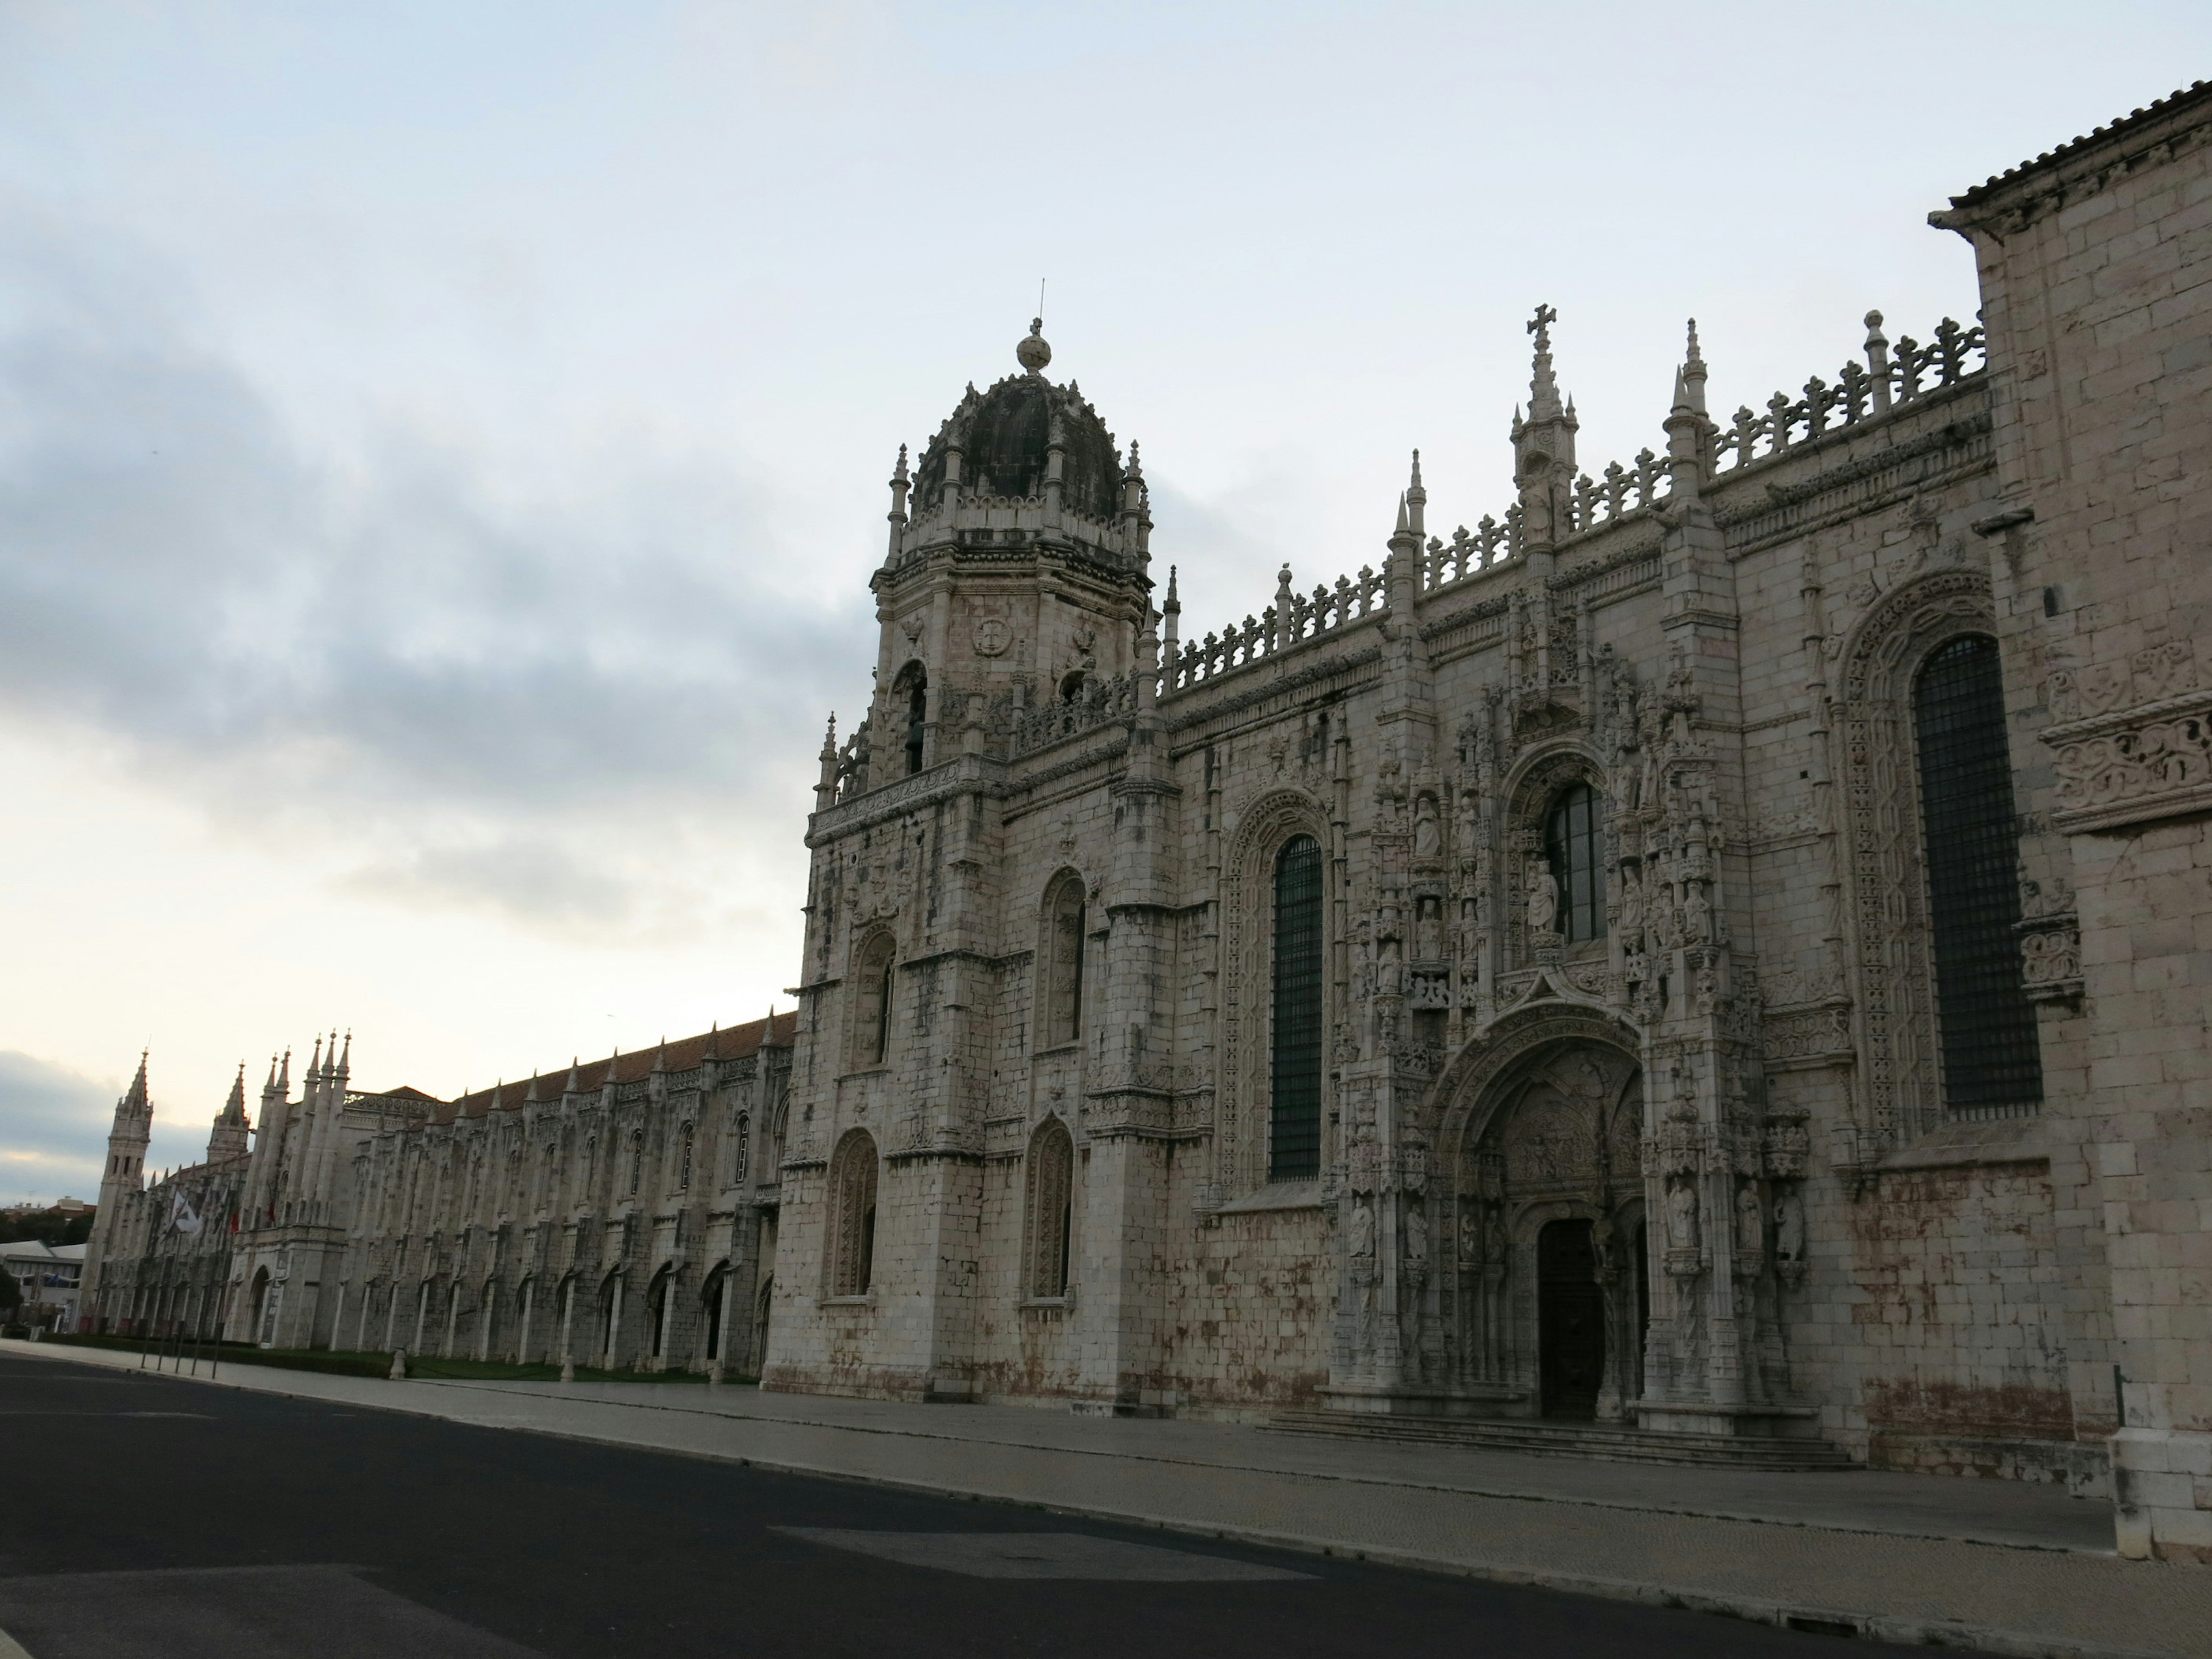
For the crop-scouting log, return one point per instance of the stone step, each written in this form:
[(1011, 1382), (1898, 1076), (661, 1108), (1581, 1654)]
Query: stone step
[(1554, 1439)]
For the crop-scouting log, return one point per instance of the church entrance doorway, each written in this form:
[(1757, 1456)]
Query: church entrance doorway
[(1569, 1320)]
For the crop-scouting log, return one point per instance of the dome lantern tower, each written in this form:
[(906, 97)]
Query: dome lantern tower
[(1018, 565)]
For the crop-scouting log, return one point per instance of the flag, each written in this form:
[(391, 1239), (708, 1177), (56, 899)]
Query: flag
[(182, 1217)]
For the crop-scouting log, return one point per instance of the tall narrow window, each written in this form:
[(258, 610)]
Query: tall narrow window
[(1992, 1067), (741, 1131), (852, 1215), (1294, 1142), (873, 972), (636, 1157), (1051, 1208), (1064, 965), (683, 1162), (917, 722), (1571, 846)]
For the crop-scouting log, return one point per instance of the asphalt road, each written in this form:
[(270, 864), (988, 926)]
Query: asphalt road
[(148, 1517)]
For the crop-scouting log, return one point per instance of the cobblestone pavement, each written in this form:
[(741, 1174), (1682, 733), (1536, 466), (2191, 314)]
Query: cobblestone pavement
[(2000, 1566)]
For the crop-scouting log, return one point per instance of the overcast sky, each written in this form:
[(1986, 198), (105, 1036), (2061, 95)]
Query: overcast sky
[(442, 446)]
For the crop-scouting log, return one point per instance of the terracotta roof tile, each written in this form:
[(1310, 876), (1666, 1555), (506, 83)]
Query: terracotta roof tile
[(682, 1054)]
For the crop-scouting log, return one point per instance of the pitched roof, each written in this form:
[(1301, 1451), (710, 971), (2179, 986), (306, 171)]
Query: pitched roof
[(681, 1054), (2115, 132)]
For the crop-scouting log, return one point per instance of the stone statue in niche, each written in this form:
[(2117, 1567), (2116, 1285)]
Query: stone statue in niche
[(1790, 1229), (1543, 897), (1682, 1217), (1493, 1238), (1632, 909), (1429, 929), (1696, 915), (1428, 832), (1417, 1233), (1463, 825), (1750, 1221), (1470, 1234), (1362, 1231)]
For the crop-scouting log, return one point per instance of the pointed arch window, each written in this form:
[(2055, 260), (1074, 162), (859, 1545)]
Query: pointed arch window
[(1573, 846), (873, 980), (1294, 1126), (1992, 1065), (1064, 924), (742, 1134), (1050, 1221), (852, 1255), (683, 1162), (917, 716)]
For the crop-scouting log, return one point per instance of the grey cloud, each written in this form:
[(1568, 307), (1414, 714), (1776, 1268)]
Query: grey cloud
[(377, 647), (53, 1129)]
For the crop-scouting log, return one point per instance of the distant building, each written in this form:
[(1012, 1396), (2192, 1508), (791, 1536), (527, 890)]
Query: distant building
[(48, 1278)]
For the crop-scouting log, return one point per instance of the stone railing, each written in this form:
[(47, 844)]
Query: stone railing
[(1889, 379), (1096, 703), (1293, 619)]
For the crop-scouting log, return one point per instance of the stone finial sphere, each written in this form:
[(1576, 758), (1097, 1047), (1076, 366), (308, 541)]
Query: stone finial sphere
[(1033, 353)]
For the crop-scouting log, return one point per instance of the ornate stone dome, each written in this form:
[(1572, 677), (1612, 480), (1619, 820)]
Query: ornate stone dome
[(1005, 435)]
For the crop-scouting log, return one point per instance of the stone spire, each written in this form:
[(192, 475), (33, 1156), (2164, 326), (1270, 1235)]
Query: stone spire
[(229, 1137), (1543, 386), (1543, 448), (123, 1178)]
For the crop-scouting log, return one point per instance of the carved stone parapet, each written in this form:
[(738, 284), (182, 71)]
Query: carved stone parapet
[(1788, 1144), (1799, 1039), (1685, 1263), (2129, 764), (2051, 957)]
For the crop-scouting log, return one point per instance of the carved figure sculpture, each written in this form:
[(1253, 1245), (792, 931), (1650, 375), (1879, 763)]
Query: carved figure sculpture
[(1362, 1234), (1697, 913), (1631, 910), (1682, 1217), (1543, 897), (1750, 1221), (1417, 1233), (1428, 833), (1789, 1228), (1470, 1234)]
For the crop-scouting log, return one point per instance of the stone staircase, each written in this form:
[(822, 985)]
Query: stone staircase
[(1539, 1437)]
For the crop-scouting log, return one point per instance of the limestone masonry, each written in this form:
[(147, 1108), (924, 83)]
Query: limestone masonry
[(1720, 947)]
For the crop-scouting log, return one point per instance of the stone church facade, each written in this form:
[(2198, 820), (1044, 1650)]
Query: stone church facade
[(1719, 948)]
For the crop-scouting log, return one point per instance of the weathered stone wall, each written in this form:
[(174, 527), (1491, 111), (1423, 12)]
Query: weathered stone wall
[(2094, 266)]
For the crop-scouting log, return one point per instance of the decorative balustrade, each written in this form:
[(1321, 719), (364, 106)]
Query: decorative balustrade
[(1096, 703), (1891, 377), (1293, 617)]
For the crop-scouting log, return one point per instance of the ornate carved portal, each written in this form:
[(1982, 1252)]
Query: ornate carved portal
[(1546, 1307)]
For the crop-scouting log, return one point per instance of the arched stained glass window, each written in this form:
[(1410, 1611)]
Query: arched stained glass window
[(1294, 1141), (1573, 847), (1993, 1066)]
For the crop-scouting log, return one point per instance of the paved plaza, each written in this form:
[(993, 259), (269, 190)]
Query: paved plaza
[(1999, 1565)]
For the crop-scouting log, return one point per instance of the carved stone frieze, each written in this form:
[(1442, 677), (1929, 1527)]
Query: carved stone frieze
[(2050, 958), (2129, 761), (1797, 1038)]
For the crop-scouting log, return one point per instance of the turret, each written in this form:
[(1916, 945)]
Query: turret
[(1017, 568), (122, 1179), (230, 1135)]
